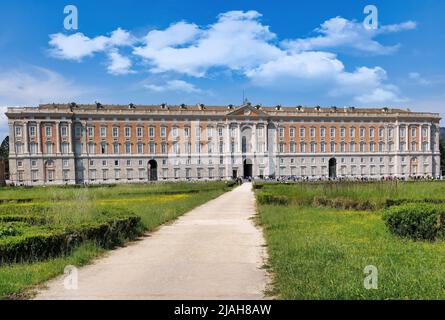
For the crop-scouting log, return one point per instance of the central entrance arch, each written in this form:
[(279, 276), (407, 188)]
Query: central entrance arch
[(332, 168), (152, 170), (247, 168)]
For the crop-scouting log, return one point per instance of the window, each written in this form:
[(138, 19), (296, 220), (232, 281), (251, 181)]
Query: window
[(127, 132), (323, 132), (281, 147), (152, 147), (209, 132), (312, 147), (332, 147), (18, 131), (332, 132), (139, 132), (117, 174), (128, 163), (381, 147), (413, 132), (20, 164), (116, 163), (65, 148), (64, 131), (48, 131), (32, 131), (381, 132), (281, 132), (33, 163), (49, 148), (90, 131), (372, 147), (175, 132), (140, 148), (292, 147), (303, 147), (302, 132), (19, 148), (115, 132), (221, 147), (151, 132), (390, 132), (402, 146), (128, 148), (312, 132), (342, 132), (186, 132), (103, 132), (91, 148), (116, 148), (103, 148), (260, 132), (413, 146), (371, 132), (362, 132), (34, 175), (352, 147), (163, 132), (342, 147), (323, 147), (292, 132), (65, 163), (163, 148), (33, 148), (176, 148), (402, 132), (362, 147), (352, 132)]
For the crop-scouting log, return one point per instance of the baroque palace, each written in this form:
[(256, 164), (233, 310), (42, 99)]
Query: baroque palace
[(75, 144)]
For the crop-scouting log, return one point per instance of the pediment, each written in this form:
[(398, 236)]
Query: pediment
[(247, 111)]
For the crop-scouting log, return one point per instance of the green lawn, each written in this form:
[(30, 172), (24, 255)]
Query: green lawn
[(321, 252), (47, 210)]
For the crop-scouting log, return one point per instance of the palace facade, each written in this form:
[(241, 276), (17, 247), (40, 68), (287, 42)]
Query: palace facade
[(75, 144)]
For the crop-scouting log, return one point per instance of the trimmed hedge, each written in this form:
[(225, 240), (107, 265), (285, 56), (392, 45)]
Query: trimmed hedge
[(41, 243), (418, 221)]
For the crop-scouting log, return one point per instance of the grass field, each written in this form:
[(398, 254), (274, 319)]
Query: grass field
[(321, 252), (43, 213)]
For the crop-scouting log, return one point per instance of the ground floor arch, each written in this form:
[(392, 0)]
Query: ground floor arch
[(152, 170), (247, 169), (332, 168)]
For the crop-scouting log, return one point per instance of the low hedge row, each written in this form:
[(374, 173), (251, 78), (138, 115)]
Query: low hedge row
[(418, 221), (41, 243)]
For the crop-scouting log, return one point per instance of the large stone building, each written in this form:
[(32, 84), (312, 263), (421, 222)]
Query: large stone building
[(68, 144)]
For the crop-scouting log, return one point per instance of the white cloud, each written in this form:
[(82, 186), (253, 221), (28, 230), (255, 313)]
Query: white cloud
[(119, 64), (78, 46), (339, 32), (34, 86), (177, 34), (324, 73), (237, 41), (174, 85)]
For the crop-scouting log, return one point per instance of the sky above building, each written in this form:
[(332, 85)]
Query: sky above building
[(217, 52)]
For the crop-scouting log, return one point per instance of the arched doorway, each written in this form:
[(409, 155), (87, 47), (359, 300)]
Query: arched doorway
[(247, 169), (332, 168), (152, 170)]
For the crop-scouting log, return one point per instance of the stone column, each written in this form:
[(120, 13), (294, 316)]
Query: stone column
[(58, 137), (39, 138), (254, 140), (25, 138)]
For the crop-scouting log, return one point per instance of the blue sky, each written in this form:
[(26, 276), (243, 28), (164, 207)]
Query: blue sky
[(278, 52)]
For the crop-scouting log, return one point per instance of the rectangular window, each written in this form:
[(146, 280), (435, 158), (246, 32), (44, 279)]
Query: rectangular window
[(332, 132), (362, 132), (152, 147), (116, 148), (139, 132), (64, 131), (163, 132), (90, 131), (342, 132), (151, 132), (128, 148), (352, 132), (312, 132), (49, 131), (49, 148), (140, 148), (281, 132), (175, 132), (18, 131), (322, 132), (209, 132), (103, 132), (186, 132), (292, 132), (302, 132), (32, 131), (371, 132), (127, 132), (115, 132)]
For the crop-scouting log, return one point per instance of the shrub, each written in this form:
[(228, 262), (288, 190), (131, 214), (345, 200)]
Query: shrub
[(39, 243), (418, 221), (267, 198)]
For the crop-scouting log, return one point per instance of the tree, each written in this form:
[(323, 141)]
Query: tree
[(4, 154)]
